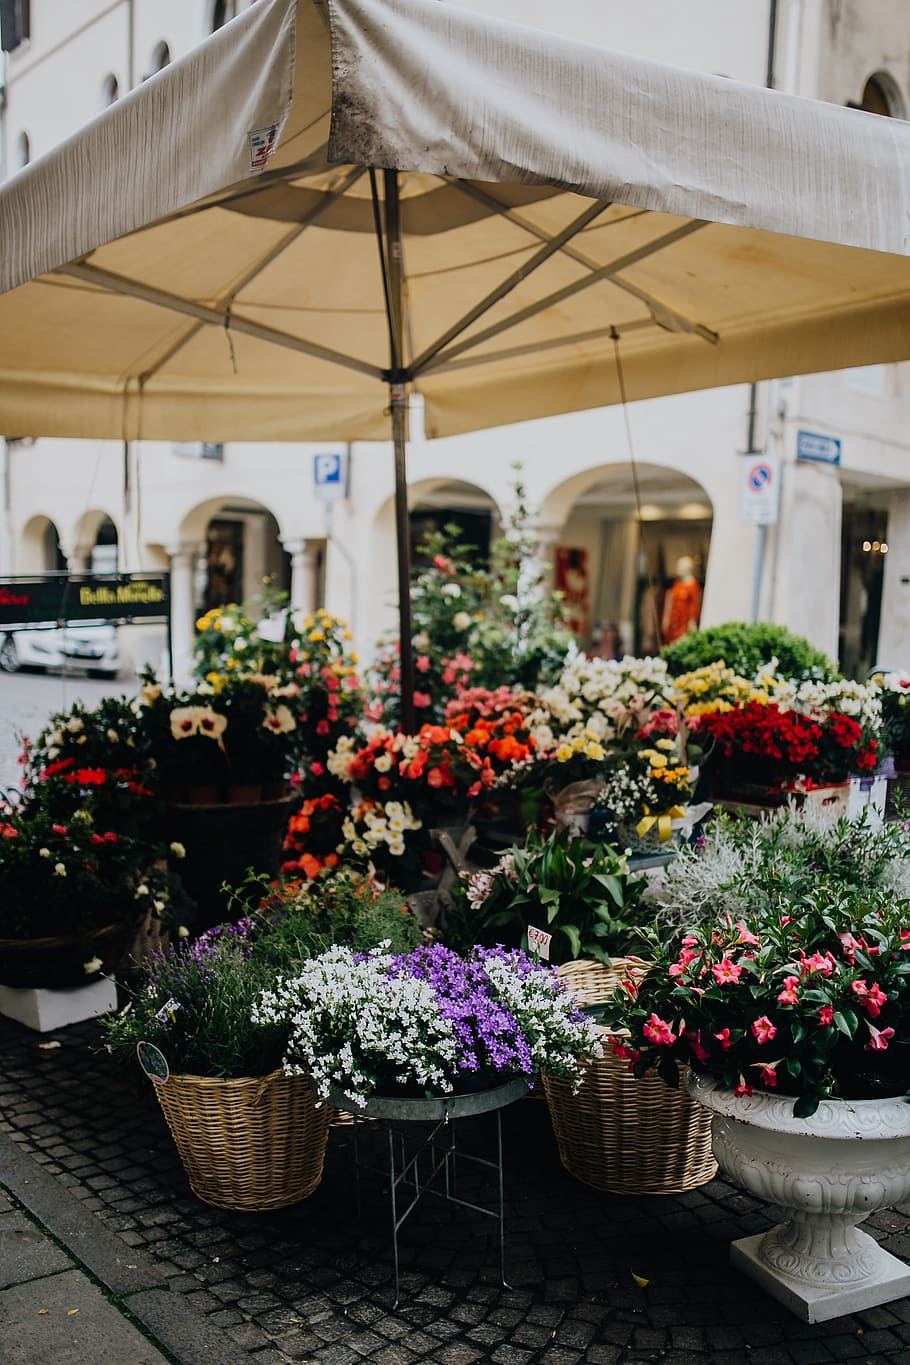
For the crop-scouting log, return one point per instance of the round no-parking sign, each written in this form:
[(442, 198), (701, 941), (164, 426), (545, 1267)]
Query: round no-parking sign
[(760, 490)]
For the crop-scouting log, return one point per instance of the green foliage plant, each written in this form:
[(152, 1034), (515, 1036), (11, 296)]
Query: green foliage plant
[(580, 892)]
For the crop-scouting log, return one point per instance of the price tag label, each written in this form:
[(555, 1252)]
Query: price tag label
[(168, 1011), (539, 942), (153, 1062)]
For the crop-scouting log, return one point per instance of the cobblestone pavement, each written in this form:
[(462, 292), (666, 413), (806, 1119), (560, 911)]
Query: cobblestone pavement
[(313, 1283)]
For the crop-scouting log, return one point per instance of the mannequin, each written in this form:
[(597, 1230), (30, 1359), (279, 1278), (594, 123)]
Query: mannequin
[(682, 605)]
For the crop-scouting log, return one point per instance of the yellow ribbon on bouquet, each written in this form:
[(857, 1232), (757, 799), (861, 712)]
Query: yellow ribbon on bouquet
[(663, 822)]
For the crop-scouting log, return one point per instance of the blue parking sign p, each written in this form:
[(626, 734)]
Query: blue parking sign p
[(328, 475)]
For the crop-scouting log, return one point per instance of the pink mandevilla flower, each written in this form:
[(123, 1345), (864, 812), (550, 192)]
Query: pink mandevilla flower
[(742, 1088), (659, 1031), (726, 971), (746, 935), (878, 1038), (763, 1029), (724, 1038), (826, 1016), (767, 1074), (790, 994)]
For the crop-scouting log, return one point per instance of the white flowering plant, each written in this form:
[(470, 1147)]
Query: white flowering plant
[(425, 1023), (232, 729)]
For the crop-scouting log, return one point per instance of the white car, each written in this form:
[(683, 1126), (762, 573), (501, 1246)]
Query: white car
[(92, 646)]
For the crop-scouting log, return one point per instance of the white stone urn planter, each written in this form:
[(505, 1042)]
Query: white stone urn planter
[(827, 1173)]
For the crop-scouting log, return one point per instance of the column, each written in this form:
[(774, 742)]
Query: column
[(894, 632), (183, 626), (807, 586), (304, 565)]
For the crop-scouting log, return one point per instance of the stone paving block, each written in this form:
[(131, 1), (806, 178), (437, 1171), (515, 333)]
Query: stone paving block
[(97, 1332), (25, 1252)]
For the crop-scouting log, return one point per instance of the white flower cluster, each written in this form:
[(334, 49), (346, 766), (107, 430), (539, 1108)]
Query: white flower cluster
[(339, 760), (599, 698), (352, 1023), (558, 1040), (862, 701), (625, 794), (370, 824)]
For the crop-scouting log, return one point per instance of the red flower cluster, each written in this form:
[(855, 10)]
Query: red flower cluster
[(397, 766), (790, 743)]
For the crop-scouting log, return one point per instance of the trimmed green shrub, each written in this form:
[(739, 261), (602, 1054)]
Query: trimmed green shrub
[(745, 648)]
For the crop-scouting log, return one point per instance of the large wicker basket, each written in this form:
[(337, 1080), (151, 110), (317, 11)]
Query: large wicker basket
[(252, 1143), (621, 1134)]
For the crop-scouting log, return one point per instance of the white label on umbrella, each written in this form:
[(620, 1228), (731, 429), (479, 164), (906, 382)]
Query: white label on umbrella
[(539, 942), (263, 142)]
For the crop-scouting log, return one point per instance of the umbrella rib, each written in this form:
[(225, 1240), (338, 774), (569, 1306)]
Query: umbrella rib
[(657, 306), (264, 261), (568, 291), (218, 317), (551, 344), (550, 248)]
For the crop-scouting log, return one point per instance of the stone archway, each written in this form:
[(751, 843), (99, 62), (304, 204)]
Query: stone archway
[(618, 568), (39, 547)]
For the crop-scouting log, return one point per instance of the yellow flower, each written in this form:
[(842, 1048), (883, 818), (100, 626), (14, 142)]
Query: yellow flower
[(595, 751), (564, 753), (355, 657), (317, 635)]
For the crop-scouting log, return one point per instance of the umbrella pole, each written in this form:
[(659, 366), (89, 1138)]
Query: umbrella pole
[(398, 408)]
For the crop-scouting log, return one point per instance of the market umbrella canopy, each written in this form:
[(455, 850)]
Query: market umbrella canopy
[(201, 261)]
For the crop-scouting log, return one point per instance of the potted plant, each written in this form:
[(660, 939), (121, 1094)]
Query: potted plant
[(426, 1024), (612, 1133), (73, 895), (578, 892), (249, 1137), (795, 1022)]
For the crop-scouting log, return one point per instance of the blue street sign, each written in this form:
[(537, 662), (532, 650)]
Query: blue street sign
[(811, 445), (329, 475)]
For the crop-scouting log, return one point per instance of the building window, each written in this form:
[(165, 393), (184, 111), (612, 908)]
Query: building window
[(110, 90), (222, 12), (15, 23), (23, 150)]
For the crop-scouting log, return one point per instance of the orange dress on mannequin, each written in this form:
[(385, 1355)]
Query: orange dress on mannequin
[(683, 609)]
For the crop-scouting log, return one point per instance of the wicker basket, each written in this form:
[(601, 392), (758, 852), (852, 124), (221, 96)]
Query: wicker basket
[(253, 1143), (621, 1134)]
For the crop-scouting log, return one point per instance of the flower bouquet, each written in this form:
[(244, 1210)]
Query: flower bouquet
[(313, 835), (894, 694), (98, 760), (428, 1023)]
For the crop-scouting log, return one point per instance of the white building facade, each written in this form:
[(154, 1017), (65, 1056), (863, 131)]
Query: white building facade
[(836, 567)]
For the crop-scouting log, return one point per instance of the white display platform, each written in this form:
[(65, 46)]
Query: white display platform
[(44, 1010)]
